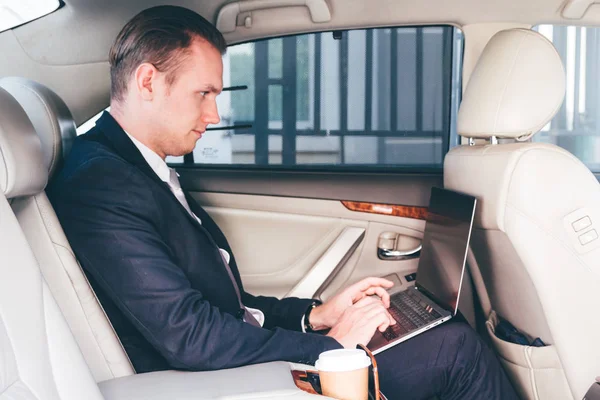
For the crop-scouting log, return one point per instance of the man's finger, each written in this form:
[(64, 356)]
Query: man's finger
[(382, 322), (368, 282), (365, 301), (358, 288), (381, 292), (392, 320), (375, 309), (369, 303)]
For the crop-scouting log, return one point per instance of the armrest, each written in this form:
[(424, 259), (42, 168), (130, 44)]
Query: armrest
[(264, 381)]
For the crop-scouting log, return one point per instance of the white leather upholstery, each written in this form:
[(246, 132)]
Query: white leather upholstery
[(67, 282), (93, 331), (22, 171), (537, 273), (268, 381), (517, 86), (38, 357)]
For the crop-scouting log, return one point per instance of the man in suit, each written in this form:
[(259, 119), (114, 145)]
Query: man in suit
[(162, 268)]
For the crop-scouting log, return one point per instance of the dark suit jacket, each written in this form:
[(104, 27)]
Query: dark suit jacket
[(158, 273)]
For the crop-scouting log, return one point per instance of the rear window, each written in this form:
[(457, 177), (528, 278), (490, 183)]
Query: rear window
[(14, 13), (576, 126)]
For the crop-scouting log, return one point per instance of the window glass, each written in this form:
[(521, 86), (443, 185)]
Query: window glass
[(14, 13), (576, 126), (375, 97)]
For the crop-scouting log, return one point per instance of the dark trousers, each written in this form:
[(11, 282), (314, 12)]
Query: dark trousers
[(449, 361)]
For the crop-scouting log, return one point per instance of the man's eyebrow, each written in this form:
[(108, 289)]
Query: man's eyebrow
[(213, 89)]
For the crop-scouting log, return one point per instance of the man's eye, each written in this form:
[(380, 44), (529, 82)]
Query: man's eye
[(203, 94)]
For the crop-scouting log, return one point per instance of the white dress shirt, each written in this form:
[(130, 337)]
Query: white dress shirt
[(162, 170)]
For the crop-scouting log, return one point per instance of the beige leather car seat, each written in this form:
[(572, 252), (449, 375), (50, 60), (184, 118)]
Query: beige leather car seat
[(39, 357), (95, 336), (535, 247)]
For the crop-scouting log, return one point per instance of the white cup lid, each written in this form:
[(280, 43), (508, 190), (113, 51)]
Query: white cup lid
[(342, 360)]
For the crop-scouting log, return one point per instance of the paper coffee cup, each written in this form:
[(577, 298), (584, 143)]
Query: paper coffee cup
[(344, 374)]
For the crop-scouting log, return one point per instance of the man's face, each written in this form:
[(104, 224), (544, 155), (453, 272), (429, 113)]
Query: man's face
[(183, 109)]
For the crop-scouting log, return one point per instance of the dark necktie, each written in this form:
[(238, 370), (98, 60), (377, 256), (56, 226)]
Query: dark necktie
[(248, 317), (180, 196)]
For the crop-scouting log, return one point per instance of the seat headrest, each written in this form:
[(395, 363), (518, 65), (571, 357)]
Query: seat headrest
[(50, 116), (516, 88), (22, 168)]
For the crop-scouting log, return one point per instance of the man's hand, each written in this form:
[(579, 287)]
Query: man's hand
[(327, 315), (359, 322)]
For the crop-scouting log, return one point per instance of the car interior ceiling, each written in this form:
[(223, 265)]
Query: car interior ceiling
[(533, 261)]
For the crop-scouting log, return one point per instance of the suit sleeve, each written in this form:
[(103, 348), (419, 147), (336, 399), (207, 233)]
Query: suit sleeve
[(110, 226), (284, 313)]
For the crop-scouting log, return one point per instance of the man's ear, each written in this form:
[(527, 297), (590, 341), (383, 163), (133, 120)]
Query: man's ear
[(145, 80)]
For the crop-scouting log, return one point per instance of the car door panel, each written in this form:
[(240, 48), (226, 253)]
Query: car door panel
[(278, 240)]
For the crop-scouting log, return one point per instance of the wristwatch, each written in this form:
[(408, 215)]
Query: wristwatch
[(307, 326)]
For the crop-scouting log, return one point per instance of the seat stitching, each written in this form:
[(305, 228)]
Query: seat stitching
[(531, 372), (9, 386), (87, 317), (549, 233), (12, 346), (5, 168), (104, 355), (42, 281)]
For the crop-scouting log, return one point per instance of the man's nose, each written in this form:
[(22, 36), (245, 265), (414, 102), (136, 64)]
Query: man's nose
[(210, 115)]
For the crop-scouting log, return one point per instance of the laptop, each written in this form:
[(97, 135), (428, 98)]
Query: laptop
[(433, 299)]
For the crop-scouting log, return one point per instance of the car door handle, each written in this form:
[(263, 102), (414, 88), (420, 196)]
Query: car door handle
[(397, 255)]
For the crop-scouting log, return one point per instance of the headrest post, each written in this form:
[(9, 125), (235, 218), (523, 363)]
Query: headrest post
[(471, 141), (493, 140)]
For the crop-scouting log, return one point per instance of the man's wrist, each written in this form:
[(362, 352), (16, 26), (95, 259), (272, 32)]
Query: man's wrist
[(314, 318)]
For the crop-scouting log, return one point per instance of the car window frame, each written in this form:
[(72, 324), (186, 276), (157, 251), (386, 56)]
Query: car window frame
[(452, 139)]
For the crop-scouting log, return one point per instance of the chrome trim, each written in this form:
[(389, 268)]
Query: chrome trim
[(397, 255)]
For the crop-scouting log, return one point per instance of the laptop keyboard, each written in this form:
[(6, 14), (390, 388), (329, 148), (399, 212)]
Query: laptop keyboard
[(410, 313)]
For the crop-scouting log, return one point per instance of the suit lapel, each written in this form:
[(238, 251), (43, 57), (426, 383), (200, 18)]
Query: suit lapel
[(125, 148)]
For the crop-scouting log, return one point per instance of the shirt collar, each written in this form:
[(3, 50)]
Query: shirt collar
[(158, 165)]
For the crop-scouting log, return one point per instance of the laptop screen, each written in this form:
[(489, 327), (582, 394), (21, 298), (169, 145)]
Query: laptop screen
[(445, 245)]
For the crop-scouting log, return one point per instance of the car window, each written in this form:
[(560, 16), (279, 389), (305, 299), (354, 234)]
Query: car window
[(576, 126), (385, 97), (377, 97)]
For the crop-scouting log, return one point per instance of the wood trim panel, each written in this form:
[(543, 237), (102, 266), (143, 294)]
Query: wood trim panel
[(387, 209)]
